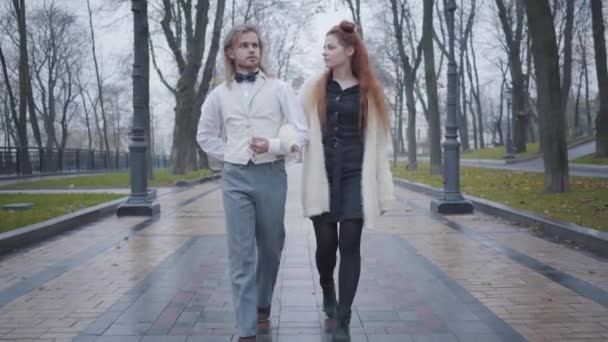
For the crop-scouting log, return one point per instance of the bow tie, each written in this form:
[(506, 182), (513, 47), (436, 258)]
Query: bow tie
[(250, 77)]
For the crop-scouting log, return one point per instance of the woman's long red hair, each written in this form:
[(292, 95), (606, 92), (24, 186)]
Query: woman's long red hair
[(369, 87)]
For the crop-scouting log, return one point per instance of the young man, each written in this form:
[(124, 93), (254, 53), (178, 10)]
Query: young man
[(240, 124)]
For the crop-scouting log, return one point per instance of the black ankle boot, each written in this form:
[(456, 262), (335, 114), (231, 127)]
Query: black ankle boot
[(330, 303), (342, 332)]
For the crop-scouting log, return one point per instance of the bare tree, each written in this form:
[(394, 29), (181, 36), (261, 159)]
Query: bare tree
[(512, 23), (585, 66), (10, 102), (189, 92), (475, 93), (56, 57), (601, 120), (546, 63), (431, 87), (355, 10), (567, 52), (98, 77), (399, 9), (81, 92), (20, 118)]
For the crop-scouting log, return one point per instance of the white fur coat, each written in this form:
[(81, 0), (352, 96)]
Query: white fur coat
[(376, 179)]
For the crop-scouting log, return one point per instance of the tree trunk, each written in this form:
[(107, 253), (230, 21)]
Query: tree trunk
[(546, 65), (431, 88), (477, 95), (469, 103), (145, 68), (567, 65), (99, 84), (601, 120), (589, 126), (86, 111), (577, 115), (465, 31), (498, 122), (520, 118), (21, 124), (189, 98), (409, 77), (32, 110)]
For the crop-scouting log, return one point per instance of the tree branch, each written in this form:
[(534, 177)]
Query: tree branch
[(170, 36), (158, 71)]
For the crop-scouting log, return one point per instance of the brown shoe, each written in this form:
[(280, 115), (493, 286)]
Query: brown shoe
[(247, 339), (263, 314)]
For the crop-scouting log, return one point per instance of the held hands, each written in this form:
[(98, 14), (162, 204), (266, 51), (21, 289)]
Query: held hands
[(259, 145)]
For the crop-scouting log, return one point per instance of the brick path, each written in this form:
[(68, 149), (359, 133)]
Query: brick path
[(424, 278)]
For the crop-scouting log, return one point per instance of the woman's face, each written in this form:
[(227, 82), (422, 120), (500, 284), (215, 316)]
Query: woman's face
[(334, 53)]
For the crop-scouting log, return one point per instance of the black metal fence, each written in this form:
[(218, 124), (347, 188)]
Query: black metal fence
[(67, 160)]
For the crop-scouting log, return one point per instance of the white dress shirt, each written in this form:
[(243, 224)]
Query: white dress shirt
[(232, 115)]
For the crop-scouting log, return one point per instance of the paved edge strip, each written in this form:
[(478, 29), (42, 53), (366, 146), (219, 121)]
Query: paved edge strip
[(106, 319), (53, 271), (593, 240), (575, 284), (479, 309), (22, 237)]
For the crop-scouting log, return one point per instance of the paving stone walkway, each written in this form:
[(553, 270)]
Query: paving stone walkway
[(424, 278)]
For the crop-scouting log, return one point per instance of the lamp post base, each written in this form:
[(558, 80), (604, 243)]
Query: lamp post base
[(451, 207), (145, 206)]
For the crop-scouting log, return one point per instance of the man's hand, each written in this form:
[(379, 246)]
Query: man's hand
[(259, 145), (295, 148)]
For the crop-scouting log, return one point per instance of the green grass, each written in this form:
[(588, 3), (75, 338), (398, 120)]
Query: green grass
[(591, 159), (46, 206), (586, 204), (162, 177), (498, 152)]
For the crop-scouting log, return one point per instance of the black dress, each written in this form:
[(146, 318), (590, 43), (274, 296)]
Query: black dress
[(343, 150)]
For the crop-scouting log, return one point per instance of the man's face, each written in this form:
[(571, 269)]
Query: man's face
[(246, 52)]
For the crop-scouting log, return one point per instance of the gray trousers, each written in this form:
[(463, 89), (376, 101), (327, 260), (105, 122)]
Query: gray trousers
[(254, 204)]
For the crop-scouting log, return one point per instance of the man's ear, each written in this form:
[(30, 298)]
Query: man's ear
[(230, 54)]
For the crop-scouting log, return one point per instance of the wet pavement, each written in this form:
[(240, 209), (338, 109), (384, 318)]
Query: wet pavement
[(424, 278)]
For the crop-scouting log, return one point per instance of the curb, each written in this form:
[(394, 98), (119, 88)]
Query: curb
[(581, 142), (36, 232), (203, 179), (22, 237), (592, 240), (587, 167), (523, 159)]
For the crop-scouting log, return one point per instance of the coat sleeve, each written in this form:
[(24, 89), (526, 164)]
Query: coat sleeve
[(386, 191)]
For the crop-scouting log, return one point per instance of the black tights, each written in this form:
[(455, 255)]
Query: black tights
[(349, 243)]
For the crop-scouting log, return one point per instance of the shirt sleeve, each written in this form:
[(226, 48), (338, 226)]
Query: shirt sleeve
[(293, 112), (210, 127)]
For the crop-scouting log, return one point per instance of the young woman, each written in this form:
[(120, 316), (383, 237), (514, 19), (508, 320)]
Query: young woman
[(346, 177)]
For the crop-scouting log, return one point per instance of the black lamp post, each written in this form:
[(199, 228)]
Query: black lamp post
[(141, 202), (452, 201)]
